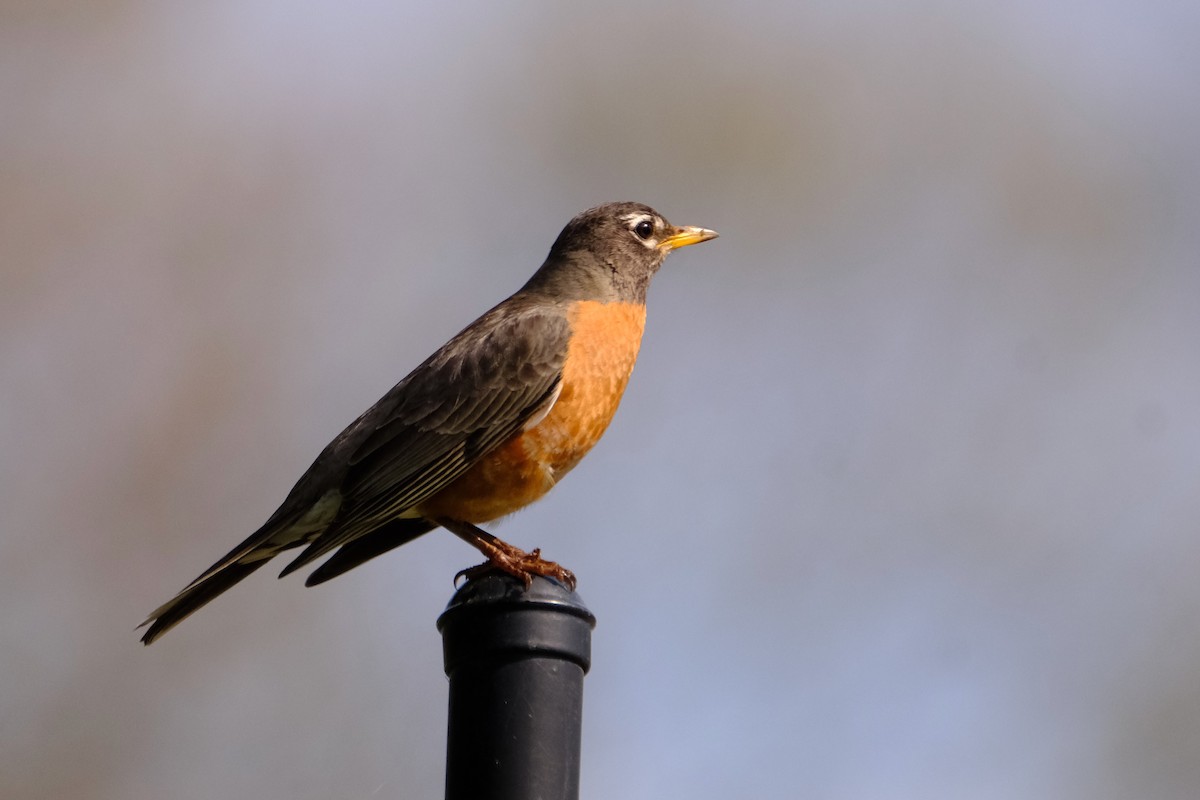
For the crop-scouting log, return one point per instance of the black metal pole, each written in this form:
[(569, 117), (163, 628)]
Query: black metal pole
[(516, 660)]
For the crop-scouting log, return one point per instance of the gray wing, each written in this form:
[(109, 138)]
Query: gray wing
[(470, 397), (466, 399)]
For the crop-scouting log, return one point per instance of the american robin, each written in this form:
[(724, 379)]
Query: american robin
[(485, 426)]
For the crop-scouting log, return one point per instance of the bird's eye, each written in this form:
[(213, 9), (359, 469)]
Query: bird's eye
[(644, 229)]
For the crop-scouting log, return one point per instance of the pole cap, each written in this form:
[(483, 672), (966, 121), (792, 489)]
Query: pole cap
[(495, 617)]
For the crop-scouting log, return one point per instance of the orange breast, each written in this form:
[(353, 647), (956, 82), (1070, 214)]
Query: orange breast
[(605, 338)]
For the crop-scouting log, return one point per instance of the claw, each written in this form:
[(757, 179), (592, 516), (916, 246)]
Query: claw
[(504, 557), (520, 565)]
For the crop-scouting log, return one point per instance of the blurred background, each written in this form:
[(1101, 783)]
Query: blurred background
[(903, 498)]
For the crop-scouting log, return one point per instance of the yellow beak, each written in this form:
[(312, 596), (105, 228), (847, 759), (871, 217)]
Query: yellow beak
[(683, 236)]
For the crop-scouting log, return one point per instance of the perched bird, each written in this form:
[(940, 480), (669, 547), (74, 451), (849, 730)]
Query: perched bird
[(485, 426)]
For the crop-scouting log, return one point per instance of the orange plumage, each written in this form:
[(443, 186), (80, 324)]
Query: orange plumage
[(604, 344)]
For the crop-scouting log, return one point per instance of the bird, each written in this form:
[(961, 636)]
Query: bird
[(483, 427)]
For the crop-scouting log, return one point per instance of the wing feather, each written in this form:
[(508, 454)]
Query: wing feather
[(470, 396), (467, 399)]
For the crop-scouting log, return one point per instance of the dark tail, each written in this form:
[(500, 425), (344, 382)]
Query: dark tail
[(172, 612), (364, 548), (228, 571)]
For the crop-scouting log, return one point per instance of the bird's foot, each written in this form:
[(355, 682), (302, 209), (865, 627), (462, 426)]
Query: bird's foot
[(504, 557), (513, 561)]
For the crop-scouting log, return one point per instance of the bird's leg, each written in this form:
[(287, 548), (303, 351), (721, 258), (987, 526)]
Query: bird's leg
[(504, 557)]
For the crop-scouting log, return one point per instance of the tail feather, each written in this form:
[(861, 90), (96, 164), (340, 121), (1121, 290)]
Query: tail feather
[(257, 550), (364, 548), (204, 589)]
